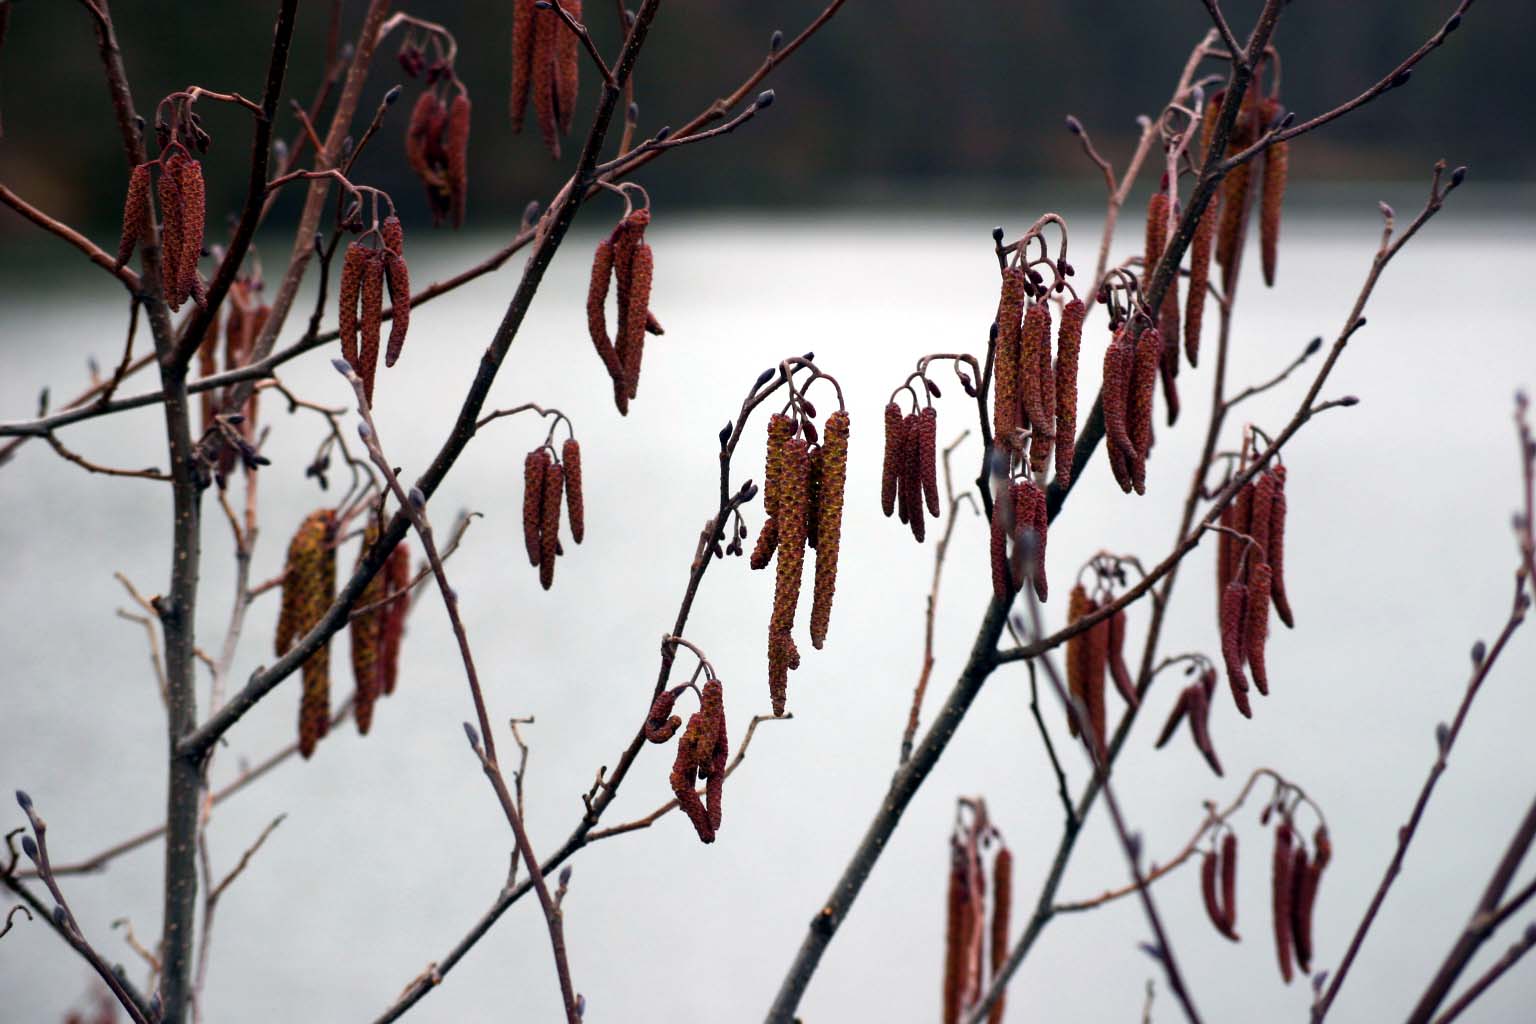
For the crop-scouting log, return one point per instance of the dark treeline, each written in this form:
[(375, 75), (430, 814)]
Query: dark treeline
[(896, 97)]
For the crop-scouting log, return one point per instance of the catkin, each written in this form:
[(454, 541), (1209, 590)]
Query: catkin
[(352, 265), (575, 506), (1118, 357), (1301, 923), (135, 214), (523, 13), (567, 69), (549, 521), (660, 723), (309, 583), (397, 571), (1034, 342), (399, 279), (366, 631), (372, 319), (1272, 195), (1199, 726), (1199, 277), (701, 752), (1002, 575), (1233, 608), (956, 931), (813, 495), (1208, 866), (1069, 340), (1093, 691), (189, 181), (1124, 685), (392, 234), (790, 566), (767, 544), (1277, 551), (1149, 348), (420, 136), (890, 470), (911, 475), (168, 191), (1281, 897), (1030, 510), (546, 27), (829, 522), (632, 338), (1256, 626), (1156, 235), (1006, 358), (1229, 883), (928, 457), (1175, 718), (1002, 906), (1079, 604), (597, 321), (533, 502)]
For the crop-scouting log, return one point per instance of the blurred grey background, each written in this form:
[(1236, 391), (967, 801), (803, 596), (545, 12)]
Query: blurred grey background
[(900, 138)]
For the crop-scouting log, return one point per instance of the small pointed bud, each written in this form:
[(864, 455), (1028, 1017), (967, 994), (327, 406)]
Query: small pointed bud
[(997, 234), (29, 847), (60, 917), (1442, 734), (763, 378), (418, 499), (1458, 176), (664, 134), (1349, 400), (565, 876), (1313, 345), (725, 435), (342, 367), (776, 40), (765, 99), (1479, 652), (1401, 78), (23, 799), (474, 737), (391, 96), (633, 113)]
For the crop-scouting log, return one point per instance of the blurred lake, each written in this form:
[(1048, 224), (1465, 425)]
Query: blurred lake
[(1400, 556)]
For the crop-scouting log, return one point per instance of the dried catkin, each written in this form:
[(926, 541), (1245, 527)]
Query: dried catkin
[(372, 320), (1006, 358), (1281, 897), (523, 13), (1277, 551), (790, 567), (366, 631), (533, 502), (309, 583), (397, 571), (928, 457), (1233, 609), (1175, 718), (1199, 277), (829, 522), (912, 474), (1118, 671), (352, 266), (890, 470), (398, 276), (1079, 604), (546, 29), (549, 521), (1272, 195), (660, 723), (1149, 350), (1002, 906), (567, 67), (1069, 339), (575, 506), (189, 181), (1256, 626), (135, 214), (1229, 883)]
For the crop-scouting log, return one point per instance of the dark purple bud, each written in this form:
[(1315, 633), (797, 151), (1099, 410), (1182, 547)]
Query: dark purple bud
[(1401, 78), (1074, 125), (763, 378), (933, 389), (1313, 345), (1349, 400), (809, 429), (664, 134), (725, 435), (1453, 24), (1479, 652), (565, 876), (474, 737), (1442, 735), (60, 917), (776, 40), (23, 799), (997, 234), (29, 847), (633, 112), (765, 99), (391, 96), (1458, 176)]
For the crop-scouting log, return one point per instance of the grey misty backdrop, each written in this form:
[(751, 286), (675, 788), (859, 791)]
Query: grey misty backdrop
[(898, 100)]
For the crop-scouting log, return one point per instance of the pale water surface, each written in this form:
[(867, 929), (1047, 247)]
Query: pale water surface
[(1400, 556)]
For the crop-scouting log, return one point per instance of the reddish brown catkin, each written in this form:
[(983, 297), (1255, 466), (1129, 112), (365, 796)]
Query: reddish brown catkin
[(1078, 718), (546, 27), (1277, 551), (398, 276), (1301, 910), (626, 238), (392, 234), (456, 142), (1043, 441), (912, 475), (135, 214), (1233, 608), (1175, 718), (172, 218), (928, 457), (714, 776), (398, 571), (1256, 626), (597, 317), (533, 502), (418, 137), (791, 564), (372, 319), (1006, 365), (1260, 518), (955, 933), (189, 178), (1078, 605), (522, 59), (660, 723), (1276, 161), (366, 632), (1235, 188), (1149, 348), (1280, 897), (780, 427), (567, 67), (767, 544), (813, 496), (347, 296), (1098, 654), (1199, 726), (693, 752), (1156, 234), (1118, 670), (1168, 312), (1118, 359), (575, 506), (1002, 575), (309, 582), (549, 521), (1199, 277), (1208, 866), (1036, 515), (633, 338), (829, 522), (890, 470), (1069, 339), (1002, 906), (1229, 883), (1034, 336)]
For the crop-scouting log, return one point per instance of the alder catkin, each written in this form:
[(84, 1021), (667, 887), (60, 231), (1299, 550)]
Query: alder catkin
[(189, 181), (172, 214), (533, 502), (928, 457), (1002, 575), (890, 470), (397, 570), (309, 583), (549, 520), (1199, 277), (694, 753), (135, 214), (1149, 349), (350, 290), (575, 506), (546, 29), (912, 474), (1069, 340), (1093, 691), (1002, 906), (1256, 624), (456, 147), (1281, 896), (793, 486), (1006, 359), (1079, 604), (597, 318), (522, 59), (1156, 235), (1301, 910), (1121, 674), (1208, 867), (956, 932), (1034, 345), (1229, 883), (1175, 718), (660, 723), (1272, 195), (1233, 609), (567, 67), (767, 544), (398, 277), (1277, 551), (1199, 726), (372, 319), (632, 340), (1034, 514), (829, 522), (366, 632), (1118, 359)]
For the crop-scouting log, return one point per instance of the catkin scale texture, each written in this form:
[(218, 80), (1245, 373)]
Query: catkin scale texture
[(366, 632), (549, 519), (1006, 359), (792, 495), (890, 472), (829, 520), (575, 504), (309, 582), (1233, 608), (1069, 340)]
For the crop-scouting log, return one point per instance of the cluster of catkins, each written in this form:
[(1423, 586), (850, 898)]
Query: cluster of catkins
[(803, 485), (234, 434), (1294, 879), (623, 257), (1019, 508), (365, 272), (1090, 653), (1131, 366), (1250, 578), (183, 210), (545, 61), (701, 753), (377, 629), (909, 477), (309, 587), (1032, 395), (437, 144), (973, 951), (1254, 117), (1194, 704), (546, 480)]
